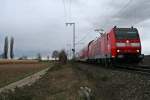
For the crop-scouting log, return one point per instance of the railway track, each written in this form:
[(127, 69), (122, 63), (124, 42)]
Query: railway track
[(122, 81), (142, 69)]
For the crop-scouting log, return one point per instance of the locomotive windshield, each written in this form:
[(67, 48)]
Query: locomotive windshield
[(127, 34)]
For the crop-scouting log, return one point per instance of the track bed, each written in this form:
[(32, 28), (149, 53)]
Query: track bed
[(117, 84)]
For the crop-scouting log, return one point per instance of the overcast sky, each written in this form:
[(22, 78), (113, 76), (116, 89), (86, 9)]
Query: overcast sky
[(39, 25)]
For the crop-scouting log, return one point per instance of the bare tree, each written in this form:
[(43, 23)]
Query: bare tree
[(55, 54), (63, 57), (47, 57), (39, 57), (5, 55), (11, 48)]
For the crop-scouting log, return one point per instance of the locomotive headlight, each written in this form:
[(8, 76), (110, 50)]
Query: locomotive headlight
[(120, 44), (118, 50), (137, 50), (135, 44)]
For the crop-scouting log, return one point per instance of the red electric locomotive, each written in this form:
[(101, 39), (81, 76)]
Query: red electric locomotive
[(120, 44)]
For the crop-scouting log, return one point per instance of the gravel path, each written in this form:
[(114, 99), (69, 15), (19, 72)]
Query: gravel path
[(26, 81)]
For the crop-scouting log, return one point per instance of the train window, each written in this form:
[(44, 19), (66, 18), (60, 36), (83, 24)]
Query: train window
[(126, 34)]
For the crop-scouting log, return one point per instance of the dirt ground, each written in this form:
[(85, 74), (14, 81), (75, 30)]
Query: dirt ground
[(12, 72), (63, 82)]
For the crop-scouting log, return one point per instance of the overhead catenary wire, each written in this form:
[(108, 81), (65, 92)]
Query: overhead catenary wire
[(67, 6), (83, 39), (108, 20), (124, 7), (65, 10), (70, 13)]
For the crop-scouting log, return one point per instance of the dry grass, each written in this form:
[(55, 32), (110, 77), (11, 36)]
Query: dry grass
[(3, 61), (13, 72), (62, 82)]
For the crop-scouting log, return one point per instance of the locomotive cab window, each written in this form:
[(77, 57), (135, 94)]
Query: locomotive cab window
[(127, 34)]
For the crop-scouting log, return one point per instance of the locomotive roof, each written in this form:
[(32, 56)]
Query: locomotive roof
[(125, 29)]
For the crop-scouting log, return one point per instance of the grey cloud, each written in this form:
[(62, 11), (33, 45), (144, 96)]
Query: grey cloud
[(39, 25), (136, 12)]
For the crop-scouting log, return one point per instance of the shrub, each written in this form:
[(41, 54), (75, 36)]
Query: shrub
[(63, 57)]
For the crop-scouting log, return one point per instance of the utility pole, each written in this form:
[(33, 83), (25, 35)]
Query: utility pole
[(73, 50), (69, 50)]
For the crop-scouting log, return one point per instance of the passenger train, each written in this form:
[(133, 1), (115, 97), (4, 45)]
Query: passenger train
[(118, 45)]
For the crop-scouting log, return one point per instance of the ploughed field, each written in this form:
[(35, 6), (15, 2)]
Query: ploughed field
[(11, 71)]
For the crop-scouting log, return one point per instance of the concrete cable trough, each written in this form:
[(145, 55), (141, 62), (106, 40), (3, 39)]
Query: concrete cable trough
[(26, 81)]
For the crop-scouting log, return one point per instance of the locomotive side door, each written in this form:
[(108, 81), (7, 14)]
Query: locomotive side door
[(108, 46)]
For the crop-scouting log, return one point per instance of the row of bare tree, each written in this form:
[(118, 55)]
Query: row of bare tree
[(7, 49)]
